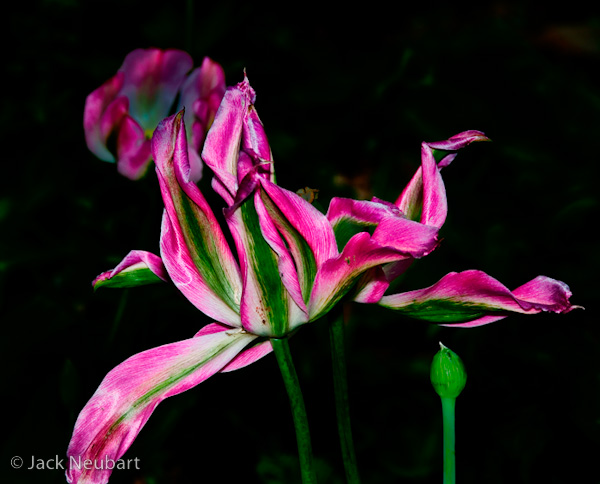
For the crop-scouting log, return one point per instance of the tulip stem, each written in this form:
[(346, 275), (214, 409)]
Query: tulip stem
[(282, 352), (448, 415), (340, 387)]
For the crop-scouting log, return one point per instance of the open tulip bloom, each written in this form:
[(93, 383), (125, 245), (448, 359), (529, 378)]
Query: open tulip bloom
[(293, 265), (121, 115)]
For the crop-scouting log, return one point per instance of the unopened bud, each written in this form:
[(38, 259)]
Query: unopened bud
[(448, 375)]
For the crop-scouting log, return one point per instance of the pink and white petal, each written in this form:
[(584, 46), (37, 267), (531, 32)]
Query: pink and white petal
[(192, 282), (133, 149), (360, 211), (126, 398), (222, 145), (407, 237), (371, 286), (475, 298), (424, 198), (249, 356), (335, 278), (93, 112), (308, 221), (287, 267), (194, 249), (254, 139), (264, 307), (137, 268), (435, 205)]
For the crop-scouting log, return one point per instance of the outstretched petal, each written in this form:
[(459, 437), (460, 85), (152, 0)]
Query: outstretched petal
[(193, 246), (112, 419), (138, 268), (472, 298)]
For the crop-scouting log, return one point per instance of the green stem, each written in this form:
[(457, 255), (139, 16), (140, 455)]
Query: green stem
[(340, 386), (448, 413), (281, 349)]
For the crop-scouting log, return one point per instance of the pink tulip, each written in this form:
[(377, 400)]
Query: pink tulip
[(290, 266)]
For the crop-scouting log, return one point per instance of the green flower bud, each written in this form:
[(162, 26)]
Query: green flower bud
[(448, 375)]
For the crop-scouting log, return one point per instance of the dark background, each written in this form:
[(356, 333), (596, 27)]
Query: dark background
[(346, 97)]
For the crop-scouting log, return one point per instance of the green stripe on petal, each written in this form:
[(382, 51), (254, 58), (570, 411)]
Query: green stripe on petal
[(128, 395), (306, 265), (198, 232), (269, 306)]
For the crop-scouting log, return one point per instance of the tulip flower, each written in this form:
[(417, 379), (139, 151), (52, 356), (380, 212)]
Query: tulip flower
[(293, 265), (121, 115)]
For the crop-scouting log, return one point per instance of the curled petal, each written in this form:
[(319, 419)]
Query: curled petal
[(424, 198), (459, 140), (472, 298), (138, 268), (120, 407)]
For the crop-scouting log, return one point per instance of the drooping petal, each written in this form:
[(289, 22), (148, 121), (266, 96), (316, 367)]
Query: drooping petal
[(138, 268), (113, 417), (472, 298), (193, 247), (152, 78)]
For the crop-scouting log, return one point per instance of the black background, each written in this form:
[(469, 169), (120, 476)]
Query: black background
[(346, 97)]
